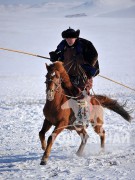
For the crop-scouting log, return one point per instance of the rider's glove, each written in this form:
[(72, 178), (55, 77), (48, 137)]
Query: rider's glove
[(53, 56)]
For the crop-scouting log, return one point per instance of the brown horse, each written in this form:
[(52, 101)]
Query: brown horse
[(59, 89)]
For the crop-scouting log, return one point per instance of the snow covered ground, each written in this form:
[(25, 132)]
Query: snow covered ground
[(37, 28)]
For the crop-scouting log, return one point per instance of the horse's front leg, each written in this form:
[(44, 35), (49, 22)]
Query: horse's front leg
[(58, 129), (46, 126), (84, 136)]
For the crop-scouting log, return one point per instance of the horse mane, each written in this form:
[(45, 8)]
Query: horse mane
[(65, 77)]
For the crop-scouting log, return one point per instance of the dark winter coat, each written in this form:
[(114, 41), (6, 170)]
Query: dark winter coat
[(83, 47)]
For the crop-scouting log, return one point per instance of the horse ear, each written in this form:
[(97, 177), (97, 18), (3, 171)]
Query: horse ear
[(46, 66)]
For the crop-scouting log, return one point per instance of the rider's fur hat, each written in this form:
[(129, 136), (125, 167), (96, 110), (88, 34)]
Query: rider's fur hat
[(70, 33)]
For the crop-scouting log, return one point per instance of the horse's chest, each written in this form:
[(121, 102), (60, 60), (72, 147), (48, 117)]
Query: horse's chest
[(52, 113)]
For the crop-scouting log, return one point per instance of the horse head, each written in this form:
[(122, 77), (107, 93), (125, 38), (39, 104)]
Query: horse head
[(53, 81), (57, 76)]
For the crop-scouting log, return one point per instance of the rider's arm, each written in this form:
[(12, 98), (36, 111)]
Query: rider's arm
[(57, 55)]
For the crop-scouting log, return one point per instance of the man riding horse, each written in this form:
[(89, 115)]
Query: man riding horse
[(80, 59), (80, 62)]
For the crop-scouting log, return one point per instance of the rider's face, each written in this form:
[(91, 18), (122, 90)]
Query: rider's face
[(70, 41)]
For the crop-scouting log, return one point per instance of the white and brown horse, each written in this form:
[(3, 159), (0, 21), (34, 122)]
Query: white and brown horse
[(58, 85)]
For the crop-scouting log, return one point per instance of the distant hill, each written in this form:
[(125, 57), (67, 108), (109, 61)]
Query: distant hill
[(72, 8), (127, 12)]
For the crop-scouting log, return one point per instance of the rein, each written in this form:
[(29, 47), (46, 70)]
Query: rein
[(72, 97), (59, 85)]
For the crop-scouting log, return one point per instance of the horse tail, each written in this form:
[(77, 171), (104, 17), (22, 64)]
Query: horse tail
[(114, 106)]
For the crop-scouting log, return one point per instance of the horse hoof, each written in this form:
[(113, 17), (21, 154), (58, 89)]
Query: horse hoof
[(43, 148), (43, 163), (79, 154)]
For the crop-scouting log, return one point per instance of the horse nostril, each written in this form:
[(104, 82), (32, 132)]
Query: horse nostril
[(51, 90)]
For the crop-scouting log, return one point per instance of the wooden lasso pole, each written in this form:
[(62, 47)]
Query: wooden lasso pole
[(31, 54), (22, 52), (117, 82)]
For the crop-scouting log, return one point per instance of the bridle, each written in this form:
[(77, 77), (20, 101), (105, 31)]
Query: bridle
[(51, 92), (57, 85)]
